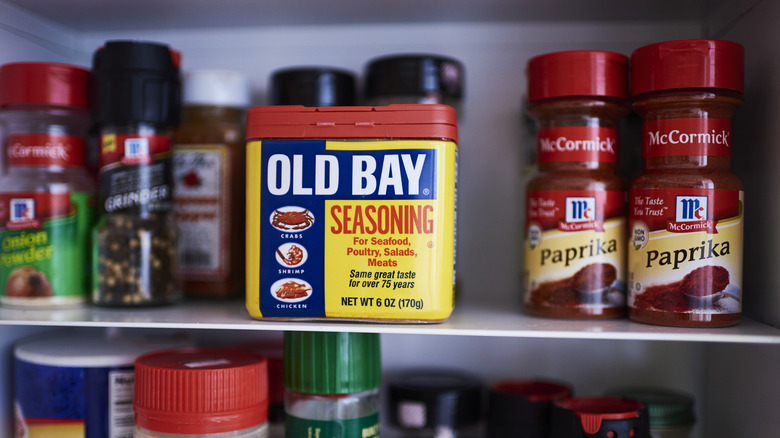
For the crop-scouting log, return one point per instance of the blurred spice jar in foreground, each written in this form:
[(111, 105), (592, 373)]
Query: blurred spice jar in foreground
[(686, 208), (575, 223)]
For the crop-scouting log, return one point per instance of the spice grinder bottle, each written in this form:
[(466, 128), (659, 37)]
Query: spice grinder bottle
[(312, 86), (47, 197), (332, 384), (521, 408), (671, 412), (434, 403), (414, 78), (201, 393), (136, 104), (686, 208), (599, 417), (574, 246), (209, 168)]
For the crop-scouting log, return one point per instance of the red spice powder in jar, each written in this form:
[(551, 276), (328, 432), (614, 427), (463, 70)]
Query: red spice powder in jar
[(577, 99), (685, 209)]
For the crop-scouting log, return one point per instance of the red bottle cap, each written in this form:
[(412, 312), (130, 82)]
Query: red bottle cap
[(535, 391), (200, 390), (688, 64), (578, 73), (593, 410), (44, 84)]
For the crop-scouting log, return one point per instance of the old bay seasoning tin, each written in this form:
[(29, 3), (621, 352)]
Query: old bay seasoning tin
[(351, 212)]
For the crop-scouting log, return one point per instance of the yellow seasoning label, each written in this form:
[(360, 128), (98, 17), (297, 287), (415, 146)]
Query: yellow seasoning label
[(685, 253), (351, 229)]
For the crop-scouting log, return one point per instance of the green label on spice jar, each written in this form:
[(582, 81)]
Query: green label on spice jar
[(363, 427), (44, 241)]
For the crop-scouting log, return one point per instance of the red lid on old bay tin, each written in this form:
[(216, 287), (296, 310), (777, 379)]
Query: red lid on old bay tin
[(688, 64), (405, 121)]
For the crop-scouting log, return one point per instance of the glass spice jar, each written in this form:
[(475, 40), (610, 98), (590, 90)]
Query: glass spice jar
[(434, 403), (209, 170), (671, 412), (575, 205), (47, 198), (686, 208), (136, 89), (332, 384), (521, 408)]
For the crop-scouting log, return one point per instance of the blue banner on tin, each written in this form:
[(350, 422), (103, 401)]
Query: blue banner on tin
[(298, 177)]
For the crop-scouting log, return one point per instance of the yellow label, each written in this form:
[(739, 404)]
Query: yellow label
[(351, 229)]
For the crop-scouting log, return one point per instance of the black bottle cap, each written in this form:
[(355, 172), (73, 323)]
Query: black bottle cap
[(415, 75), (136, 81), (522, 408), (426, 398), (312, 86)]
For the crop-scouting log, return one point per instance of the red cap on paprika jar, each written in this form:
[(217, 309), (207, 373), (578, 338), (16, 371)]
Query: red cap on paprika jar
[(44, 84), (577, 73), (688, 64), (200, 390)]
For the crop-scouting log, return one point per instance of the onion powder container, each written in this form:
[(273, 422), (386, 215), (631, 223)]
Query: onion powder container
[(351, 212)]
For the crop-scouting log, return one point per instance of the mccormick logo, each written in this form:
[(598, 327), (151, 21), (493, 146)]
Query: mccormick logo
[(690, 208), (690, 215), (22, 214), (580, 215), (136, 151), (580, 209)]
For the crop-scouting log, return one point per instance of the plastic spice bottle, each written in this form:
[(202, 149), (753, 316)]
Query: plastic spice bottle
[(136, 94), (47, 197), (685, 222), (599, 417), (434, 403), (201, 392), (575, 205), (209, 167), (521, 408), (313, 86), (671, 412), (414, 78), (332, 384)]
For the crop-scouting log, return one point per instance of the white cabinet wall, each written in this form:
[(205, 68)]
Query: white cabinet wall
[(734, 372)]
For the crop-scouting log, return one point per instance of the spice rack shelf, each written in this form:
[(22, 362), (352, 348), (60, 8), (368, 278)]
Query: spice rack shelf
[(464, 322)]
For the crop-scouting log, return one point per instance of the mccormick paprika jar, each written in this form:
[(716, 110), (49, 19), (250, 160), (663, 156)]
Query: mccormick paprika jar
[(575, 205), (685, 220), (47, 199), (351, 212)]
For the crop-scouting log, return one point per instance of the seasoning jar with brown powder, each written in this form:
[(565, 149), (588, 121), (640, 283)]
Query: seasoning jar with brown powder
[(685, 220), (575, 220), (209, 173)]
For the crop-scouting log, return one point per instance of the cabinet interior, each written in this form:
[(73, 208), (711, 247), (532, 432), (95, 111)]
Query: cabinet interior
[(494, 39)]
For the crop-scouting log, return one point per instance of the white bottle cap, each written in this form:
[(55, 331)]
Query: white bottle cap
[(215, 87)]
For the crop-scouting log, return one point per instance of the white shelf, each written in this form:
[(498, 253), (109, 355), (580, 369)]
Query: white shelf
[(464, 322)]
